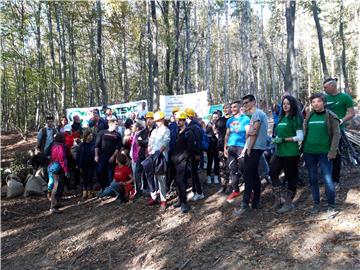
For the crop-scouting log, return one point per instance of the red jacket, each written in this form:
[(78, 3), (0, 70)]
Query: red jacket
[(69, 142), (58, 154)]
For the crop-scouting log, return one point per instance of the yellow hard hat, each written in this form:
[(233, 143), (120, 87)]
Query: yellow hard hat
[(149, 115), (181, 115), (190, 112), (159, 115), (175, 109)]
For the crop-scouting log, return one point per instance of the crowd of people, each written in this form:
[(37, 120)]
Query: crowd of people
[(148, 155)]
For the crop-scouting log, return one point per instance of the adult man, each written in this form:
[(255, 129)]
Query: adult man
[(255, 146), (174, 130), (97, 123), (183, 150), (235, 140), (108, 113), (195, 128), (220, 131), (143, 141), (342, 105), (159, 141), (143, 111), (45, 136), (76, 126), (108, 144)]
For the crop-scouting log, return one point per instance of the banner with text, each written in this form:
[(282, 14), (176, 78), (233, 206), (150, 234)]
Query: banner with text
[(197, 101), (121, 111)]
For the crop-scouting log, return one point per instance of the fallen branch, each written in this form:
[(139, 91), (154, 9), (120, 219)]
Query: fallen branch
[(185, 264), (12, 212), (216, 261), (348, 239)]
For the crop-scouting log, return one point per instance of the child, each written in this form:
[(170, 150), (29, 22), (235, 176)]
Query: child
[(122, 183), (85, 161), (57, 168)]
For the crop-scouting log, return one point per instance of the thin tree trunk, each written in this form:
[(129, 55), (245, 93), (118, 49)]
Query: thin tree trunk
[(197, 59), (175, 73), (150, 58), (290, 81), (188, 50), (73, 60), (99, 52), (167, 82), (226, 50), (39, 100), (315, 11), (155, 55), (23, 74), (343, 51), (208, 53), (124, 68)]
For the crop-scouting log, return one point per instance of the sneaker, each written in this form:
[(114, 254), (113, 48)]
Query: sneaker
[(185, 208), (240, 211), (232, 196), (315, 209), (162, 206), (331, 212), (190, 195), (151, 202), (177, 204), (55, 211), (208, 181), (198, 197), (216, 179)]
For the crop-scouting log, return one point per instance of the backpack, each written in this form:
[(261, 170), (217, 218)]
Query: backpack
[(204, 141)]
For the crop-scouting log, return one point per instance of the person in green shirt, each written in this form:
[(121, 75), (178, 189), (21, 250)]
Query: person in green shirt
[(289, 133), (320, 146), (343, 106)]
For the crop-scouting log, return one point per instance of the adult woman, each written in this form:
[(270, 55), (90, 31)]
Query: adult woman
[(63, 123), (322, 136), (212, 151), (289, 134)]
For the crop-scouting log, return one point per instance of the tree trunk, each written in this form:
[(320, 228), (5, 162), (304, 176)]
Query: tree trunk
[(188, 50), (208, 53), (23, 73), (150, 58), (99, 52), (63, 75), (175, 74), (343, 51), (226, 53), (315, 11), (73, 60), (40, 97), (124, 67), (290, 80), (167, 82), (197, 70), (155, 55)]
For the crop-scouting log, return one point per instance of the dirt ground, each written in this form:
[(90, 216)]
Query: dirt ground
[(110, 235)]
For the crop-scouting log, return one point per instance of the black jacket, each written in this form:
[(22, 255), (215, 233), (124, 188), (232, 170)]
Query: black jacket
[(143, 141)]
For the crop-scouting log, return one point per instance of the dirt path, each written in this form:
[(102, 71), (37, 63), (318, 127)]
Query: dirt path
[(110, 235)]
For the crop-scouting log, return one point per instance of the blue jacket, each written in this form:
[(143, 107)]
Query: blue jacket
[(85, 155), (174, 130)]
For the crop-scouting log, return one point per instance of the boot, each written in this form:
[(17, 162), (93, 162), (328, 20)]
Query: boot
[(287, 206), (279, 197), (84, 195)]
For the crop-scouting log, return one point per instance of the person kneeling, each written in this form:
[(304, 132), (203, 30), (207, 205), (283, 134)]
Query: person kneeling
[(122, 185)]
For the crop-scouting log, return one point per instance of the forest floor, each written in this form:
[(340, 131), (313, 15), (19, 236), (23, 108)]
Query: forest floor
[(108, 235)]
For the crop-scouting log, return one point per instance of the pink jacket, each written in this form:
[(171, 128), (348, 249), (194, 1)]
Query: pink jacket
[(134, 152), (58, 154)]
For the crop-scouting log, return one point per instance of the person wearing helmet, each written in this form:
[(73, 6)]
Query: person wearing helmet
[(143, 142), (174, 130), (180, 156), (196, 129), (159, 141)]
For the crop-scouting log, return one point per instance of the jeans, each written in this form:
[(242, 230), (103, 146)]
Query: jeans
[(54, 169), (235, 165), (105, 171), (312, 161), (336, 162), (114, 189), (290, 167), (160, 181), (251, 176)]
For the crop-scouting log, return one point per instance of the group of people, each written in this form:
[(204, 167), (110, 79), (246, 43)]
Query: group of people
[(149, 155)]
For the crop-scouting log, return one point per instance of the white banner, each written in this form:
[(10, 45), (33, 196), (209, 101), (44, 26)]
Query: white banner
[(121, 111), (197, 101)]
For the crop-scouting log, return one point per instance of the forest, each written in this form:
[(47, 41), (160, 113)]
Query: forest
[(63, 54)]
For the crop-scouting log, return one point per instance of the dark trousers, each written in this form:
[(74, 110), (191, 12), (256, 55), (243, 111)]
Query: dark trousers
[(181, 179), (105, 171), (212, 156), (290, 167), (87, 178), (223, 169), (251, 176), (196, 185), (235, 165), (171, 177), (336, 164)]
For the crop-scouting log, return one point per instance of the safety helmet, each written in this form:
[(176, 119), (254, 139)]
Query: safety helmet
[(181, 115), (190, 112), (159, 115), (175, 109), (149, 115)]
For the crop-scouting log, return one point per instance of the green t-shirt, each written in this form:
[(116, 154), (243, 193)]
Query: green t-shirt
[(317, 140), (339, 104), (287, 128)]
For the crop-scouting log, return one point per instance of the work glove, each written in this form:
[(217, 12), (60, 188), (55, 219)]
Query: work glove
[(278, 140)]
